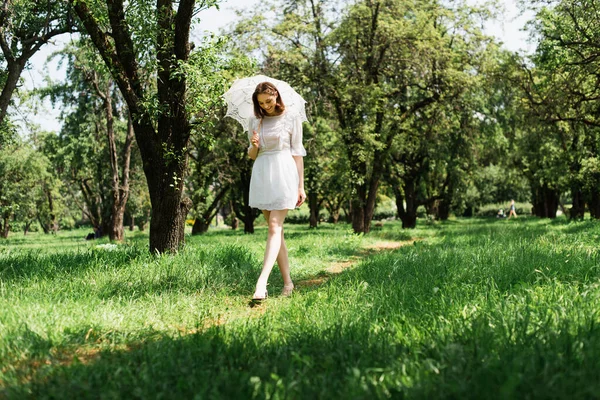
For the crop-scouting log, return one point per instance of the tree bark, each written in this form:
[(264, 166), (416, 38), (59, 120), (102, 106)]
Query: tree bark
[(242, 208), (53, 220), (26, 228), (120, 186), (50, 225), (200, 226), (91, 206), (313, 205), (408, 214), (14, 69), (444, 209), (43, 224), (231, 213), (594, 204), (5, 225), (545, 201), (358, 211), (577, 210)]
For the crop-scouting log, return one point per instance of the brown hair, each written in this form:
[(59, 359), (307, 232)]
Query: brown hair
[(266, 88)]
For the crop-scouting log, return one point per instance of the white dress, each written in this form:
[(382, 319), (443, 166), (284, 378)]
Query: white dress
[(274, 181)]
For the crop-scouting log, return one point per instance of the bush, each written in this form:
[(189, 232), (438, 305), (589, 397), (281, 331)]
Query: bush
[(69, 223), (19, 226)]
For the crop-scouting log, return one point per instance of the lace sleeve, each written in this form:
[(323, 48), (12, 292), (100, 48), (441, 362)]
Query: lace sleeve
[(296, 145)]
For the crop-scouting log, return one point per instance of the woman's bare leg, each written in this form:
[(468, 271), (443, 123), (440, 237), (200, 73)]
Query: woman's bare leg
[(283, 262), (275, 220)]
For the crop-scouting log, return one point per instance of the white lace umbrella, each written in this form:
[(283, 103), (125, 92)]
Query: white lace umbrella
[(239, 99)]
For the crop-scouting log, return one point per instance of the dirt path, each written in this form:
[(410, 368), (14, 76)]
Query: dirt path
[(340, 266)]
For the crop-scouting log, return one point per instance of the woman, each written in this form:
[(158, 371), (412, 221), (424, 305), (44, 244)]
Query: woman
[(277, 183), (512, 212)]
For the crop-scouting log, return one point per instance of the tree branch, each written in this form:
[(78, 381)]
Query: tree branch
[(183, 21)]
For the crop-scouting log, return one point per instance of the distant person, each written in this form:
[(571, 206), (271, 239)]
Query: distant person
[(512, 212)]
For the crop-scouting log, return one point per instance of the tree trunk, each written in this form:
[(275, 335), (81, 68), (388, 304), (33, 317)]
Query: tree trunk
[(43, 224), (119, 185), (92, 205), (142, 223), (372, 196), (115, 227), (5, 226), (444, 210), (132, 224), (248, 219), (200, 226), (26, 228), (242, 209), (408, 214), (577, 211), (14, 68), (234, 222), (358, 215), (53, 220), (335, 216), (334, 207), (313, 205), (363, 205), (594, 204), (27, 40), (444, 203), (545, 202)]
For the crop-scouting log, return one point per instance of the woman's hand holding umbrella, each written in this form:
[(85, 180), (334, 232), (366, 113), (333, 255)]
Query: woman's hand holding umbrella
[(255, 140)]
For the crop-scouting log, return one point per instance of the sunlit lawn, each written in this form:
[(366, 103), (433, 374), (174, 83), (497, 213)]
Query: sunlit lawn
[(469, 308)]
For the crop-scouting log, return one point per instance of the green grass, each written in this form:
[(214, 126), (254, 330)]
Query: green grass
[(474, 308)]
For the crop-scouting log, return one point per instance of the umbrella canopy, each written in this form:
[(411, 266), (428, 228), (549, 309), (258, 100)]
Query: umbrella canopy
[(239, 99)]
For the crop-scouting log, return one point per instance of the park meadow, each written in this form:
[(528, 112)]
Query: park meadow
[(463, 309)]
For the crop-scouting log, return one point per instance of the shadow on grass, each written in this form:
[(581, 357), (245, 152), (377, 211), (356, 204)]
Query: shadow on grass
[(29, 264), (577, 227), (345, 359)]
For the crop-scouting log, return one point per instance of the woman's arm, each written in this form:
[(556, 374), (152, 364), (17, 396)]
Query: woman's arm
[(253, 150), (301, 193)]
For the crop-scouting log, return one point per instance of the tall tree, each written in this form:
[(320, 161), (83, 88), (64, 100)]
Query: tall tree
[(136, 44), (398, 59), (102, 170), (563, 92)]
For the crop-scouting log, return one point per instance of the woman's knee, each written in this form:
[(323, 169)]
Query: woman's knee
[(275, 227)]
